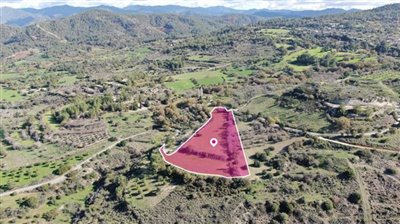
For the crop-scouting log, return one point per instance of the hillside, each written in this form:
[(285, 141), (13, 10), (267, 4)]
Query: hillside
[(104, 28)]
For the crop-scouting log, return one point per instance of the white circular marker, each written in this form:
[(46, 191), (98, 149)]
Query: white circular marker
[(213, 142)]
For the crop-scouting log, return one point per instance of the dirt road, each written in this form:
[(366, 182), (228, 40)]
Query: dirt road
[(326, 136), (366, 206), (356, 146)]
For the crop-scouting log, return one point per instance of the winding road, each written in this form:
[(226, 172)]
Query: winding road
[(59, 179)]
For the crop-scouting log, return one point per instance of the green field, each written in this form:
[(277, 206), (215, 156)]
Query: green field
[(24, 157), (183, 81), (382, 76), (9, 95), (240, 72), (355, 57), (42, 162), (49, 120), (67, 80), (141, 53), (289, 59), (24, 142), (274, 32), (34, 173), (7, 76), (200, 58)]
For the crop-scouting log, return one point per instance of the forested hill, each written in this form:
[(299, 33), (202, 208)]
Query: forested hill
[(104, 28), (144, 27), (27, 16)]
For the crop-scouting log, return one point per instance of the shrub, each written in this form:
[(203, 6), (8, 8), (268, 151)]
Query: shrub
[(63, 168), (281, 218), (267, 176), (122, 143), (327, 205), (286, 207), (354, 198), (51, 201), (347, 175), (256, 163), (305, 59), (261, 156), (390, 171), (343, 123), (112, 139), (269, 149), (50, 215), (31, 202), (271, 206)]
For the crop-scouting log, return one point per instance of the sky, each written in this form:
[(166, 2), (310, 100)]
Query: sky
[(237, 4)]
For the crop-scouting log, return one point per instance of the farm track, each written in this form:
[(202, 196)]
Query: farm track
[(325, 137), (366, 207), (333, 135), (250, 100), (357, 146), (63, 177)]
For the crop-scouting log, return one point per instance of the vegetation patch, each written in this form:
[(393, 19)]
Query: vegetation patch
[(193, 79), (204, 58), (10, 95), (67, 80), (9, 76), (22, 176)]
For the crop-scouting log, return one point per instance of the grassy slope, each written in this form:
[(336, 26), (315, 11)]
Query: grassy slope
[(183, 81)]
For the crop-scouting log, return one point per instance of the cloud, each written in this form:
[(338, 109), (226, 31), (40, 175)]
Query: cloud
[(238, 4)]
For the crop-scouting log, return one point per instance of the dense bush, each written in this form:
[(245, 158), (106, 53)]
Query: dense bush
[(354, 198), (305, 59), (271, 206), (390, 171), (31, 202), (50, 215), (63, 168), (327, 205), (347, 174), (286, 207)]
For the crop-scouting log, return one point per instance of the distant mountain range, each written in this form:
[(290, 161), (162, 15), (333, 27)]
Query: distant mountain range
[(26, 16), (99, 27)]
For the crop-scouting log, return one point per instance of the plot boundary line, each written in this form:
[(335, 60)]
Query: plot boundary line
[(162, 148)]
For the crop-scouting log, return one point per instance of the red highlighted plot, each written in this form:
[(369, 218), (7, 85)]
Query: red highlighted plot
[(215, 149)]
